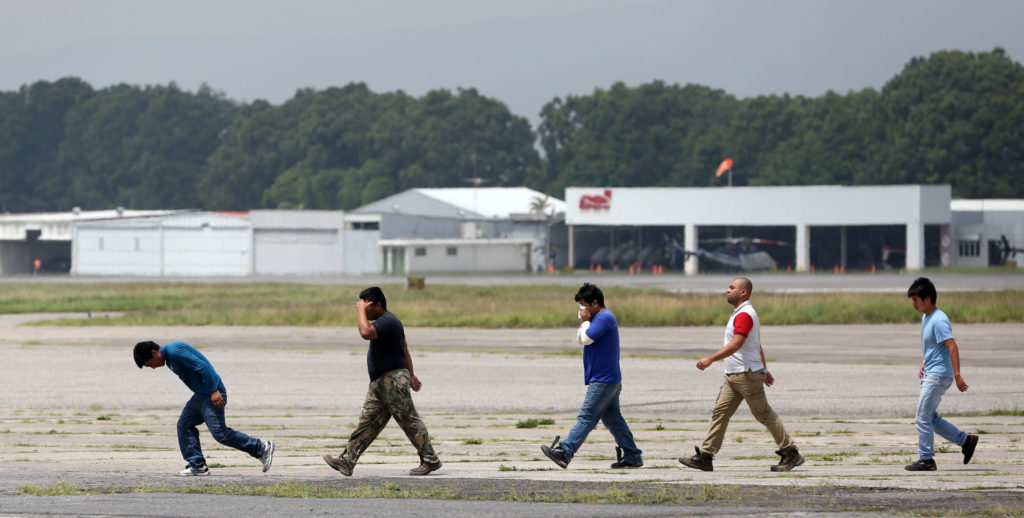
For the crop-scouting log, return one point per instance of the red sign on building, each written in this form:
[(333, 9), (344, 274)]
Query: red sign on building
[(596, 201)]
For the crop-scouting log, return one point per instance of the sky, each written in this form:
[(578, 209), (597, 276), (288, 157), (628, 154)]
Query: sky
[(521, 52)]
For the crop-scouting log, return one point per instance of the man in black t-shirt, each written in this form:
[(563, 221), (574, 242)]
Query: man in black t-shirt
[(391, 377)]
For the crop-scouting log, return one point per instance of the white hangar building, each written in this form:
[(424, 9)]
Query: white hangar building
[(459, 229), (47, 236), (802, 228), (261, 242)]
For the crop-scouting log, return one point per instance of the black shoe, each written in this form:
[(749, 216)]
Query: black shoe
[(556, 453), (618, 464), (922, 465), (701, 461), (791, 458), (968, 447)]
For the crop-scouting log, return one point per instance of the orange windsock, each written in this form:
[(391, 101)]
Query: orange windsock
[(723, 167)]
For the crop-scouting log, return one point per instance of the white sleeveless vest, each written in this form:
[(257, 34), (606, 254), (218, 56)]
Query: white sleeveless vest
[(748, 357)]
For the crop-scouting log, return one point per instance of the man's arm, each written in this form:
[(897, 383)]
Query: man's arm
[(367, 331), (414, 382), (725, 352), (768, 378), (954, 356)]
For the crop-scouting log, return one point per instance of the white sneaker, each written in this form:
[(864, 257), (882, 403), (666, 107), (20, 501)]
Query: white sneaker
[(268, 455), (189, 471)]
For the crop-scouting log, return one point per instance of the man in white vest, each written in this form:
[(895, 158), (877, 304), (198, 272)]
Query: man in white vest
[(746, 375)]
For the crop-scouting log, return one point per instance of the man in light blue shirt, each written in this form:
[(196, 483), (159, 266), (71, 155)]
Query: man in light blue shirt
[(940, 369), (206, 406)]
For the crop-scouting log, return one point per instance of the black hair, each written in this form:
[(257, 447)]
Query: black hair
[(923, 287), (144, 352), (374, 294), (589, 293)]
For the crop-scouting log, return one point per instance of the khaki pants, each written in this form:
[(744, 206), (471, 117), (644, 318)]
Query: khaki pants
[(389, 396), (747, 386)]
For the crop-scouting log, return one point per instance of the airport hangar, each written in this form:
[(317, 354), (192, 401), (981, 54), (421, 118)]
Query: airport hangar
[(815, 227)]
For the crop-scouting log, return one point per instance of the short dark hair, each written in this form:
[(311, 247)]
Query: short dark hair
[(374, 294), (144, 352), (923, 287), (589, 293)]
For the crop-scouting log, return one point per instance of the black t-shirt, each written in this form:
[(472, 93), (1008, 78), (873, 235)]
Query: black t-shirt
[(387, 351)]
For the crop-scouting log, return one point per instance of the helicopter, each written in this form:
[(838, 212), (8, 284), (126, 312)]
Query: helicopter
[(733, 254), (1006, 251)]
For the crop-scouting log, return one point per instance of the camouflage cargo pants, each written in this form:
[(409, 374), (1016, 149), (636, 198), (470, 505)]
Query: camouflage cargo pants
[(389, 396)]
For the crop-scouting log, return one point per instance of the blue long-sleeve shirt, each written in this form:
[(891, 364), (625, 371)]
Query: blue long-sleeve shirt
[(192, 367)]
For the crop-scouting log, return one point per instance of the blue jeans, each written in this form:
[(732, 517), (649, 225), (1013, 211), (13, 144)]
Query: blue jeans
[(199, 410), (928, 420), (602, 404)]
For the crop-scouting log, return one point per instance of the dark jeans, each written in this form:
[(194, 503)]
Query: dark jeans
[(602, 404), (199, 410)]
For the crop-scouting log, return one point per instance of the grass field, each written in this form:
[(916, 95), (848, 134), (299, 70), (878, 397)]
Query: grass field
[(286, 304)]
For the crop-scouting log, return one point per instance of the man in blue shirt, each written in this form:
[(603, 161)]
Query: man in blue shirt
[(599, 336), (940, 369), (207, 405)]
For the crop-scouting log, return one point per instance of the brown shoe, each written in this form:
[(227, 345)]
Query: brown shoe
[(339, 463), (791, 458), (702, 461), (425, 468)]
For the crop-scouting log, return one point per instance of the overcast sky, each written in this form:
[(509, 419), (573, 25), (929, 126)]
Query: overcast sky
[(522, 52)]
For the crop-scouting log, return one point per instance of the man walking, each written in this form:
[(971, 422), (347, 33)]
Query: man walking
[(941, 367), (599, 336), (391, 377), (746, 375), (206, 406)]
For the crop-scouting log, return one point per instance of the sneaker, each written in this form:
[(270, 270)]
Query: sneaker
[(425, 468), (339, 463), (556, 453), (619, 463), (701, 461), (922, 465), (791, 458), (268, 455), (968, 447), (189, 471)]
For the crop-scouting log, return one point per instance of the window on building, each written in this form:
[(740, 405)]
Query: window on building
[(365, 225), (969, 248), (453, 250), (421, 252)]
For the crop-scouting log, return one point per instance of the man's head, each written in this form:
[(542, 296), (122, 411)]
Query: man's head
[(147, 354), (739, 291), (922, 294), (378, 302), (588, 294)]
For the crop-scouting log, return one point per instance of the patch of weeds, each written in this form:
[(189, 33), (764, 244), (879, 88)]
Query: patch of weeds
[(103, 418), (533, 422), (738, 438), (502, 467), (982, 432), (473, 440), (659, 427)]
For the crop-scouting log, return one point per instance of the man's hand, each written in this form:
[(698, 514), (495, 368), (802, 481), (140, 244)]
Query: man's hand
[(361, 305), (960, 383), (704, 363), (920, 372), (585, 314), (768, 378), (414, 383), (216, 398)]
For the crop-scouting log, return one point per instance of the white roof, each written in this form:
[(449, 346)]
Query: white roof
[(492, 202), (987, 205), (85, 215)]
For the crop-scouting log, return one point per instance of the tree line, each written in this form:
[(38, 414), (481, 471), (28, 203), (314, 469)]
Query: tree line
[(953, 117)]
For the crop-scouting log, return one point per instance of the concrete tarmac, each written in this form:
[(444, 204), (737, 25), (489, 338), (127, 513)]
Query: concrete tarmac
[(73, 406)]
